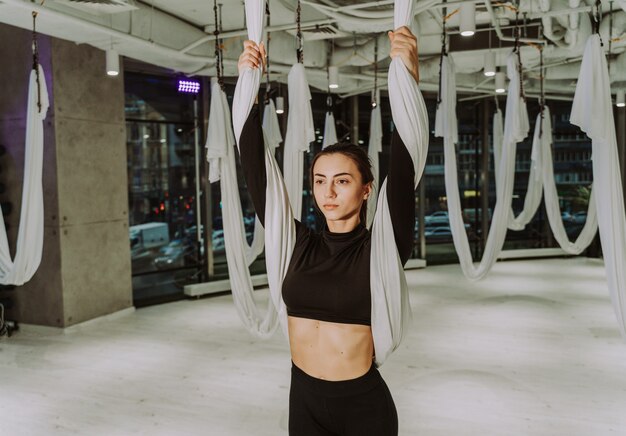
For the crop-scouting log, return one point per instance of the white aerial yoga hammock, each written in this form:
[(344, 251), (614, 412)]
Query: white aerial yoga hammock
[(30, 233), (592, 111), (300, 134), (391, 311), (280, 232), (552, 199), (374, 147), (390, 305), (532, 200), (221, 157), (330, 133), (515, 130), (541, 179)]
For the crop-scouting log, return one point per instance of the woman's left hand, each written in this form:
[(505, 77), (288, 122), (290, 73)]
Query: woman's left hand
[(404, 44)]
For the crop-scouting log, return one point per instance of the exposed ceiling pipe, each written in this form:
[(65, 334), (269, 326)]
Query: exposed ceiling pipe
[(574, 18), (496, 24), (572, 70), (537, 96), (110, 32), (572, 30), (356, 12), (362, 55), (350, 23), (244, 32), (619, 26)]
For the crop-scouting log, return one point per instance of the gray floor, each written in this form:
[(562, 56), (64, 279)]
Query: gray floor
[(534, 349)]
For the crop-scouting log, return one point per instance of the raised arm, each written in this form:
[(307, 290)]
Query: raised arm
[(401, 196), (400, 180), (252, 155)]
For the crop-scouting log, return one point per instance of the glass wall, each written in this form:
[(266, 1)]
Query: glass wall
[(166, 247), (572, 171), (167, 223)]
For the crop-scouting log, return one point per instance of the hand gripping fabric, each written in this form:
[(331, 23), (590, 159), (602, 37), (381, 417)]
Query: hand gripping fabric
[(30, 233), (330, 133), (592, 111), (221, 147), (391, 311), (516, 128), (249, 80)]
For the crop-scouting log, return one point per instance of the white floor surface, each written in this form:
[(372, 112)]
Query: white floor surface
[(534, 349)]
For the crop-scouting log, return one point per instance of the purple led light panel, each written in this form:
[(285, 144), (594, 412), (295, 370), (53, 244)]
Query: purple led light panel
[(188, 86)]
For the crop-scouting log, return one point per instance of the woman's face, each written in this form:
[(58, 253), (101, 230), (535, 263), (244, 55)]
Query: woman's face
[(338, 188)]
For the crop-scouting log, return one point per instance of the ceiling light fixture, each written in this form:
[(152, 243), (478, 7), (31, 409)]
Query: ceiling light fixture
[(500, 82), (280, 105), (333, 77), (468, 19), (620, 100), (490, 64), (112, 62)]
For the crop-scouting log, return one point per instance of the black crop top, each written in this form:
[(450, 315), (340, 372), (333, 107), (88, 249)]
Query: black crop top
[(328, 277)]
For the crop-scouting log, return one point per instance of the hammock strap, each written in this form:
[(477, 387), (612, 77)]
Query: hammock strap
[(267, 53), (329, 56), (374, 101), (219, 67), (608, 56), (596, 15), (518, 52), (443, 51), (299, 40), (35, 48), (542, 97)]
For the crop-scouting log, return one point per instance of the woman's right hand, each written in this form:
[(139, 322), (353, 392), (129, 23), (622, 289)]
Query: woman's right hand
[(253, 55)]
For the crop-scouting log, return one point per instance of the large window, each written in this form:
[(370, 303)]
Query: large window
[(170, 209), (166, 244)]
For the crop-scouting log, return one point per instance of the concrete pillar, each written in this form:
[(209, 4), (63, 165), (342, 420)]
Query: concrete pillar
[(85, 271)]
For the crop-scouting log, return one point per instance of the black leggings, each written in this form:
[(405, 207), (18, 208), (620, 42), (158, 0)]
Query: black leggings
[(361, 406)]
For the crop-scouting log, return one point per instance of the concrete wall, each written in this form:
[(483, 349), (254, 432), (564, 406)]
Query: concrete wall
[(85, 271)]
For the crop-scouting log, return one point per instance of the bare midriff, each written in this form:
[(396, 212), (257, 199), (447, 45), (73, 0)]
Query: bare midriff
[(330, 351)]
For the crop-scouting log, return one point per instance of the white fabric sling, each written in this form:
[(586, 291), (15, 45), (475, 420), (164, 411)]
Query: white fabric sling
[(542, 169), (516, 129), (30, 233), (330, 133), (219, 143), (374, 147), (271, 126), (300, 134), (220, 149), (552, 199), (592, 110), (532, 200), (391, 310), (280, 231), (390, 305)]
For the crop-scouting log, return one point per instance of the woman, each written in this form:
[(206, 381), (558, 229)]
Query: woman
[(335, 387)]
